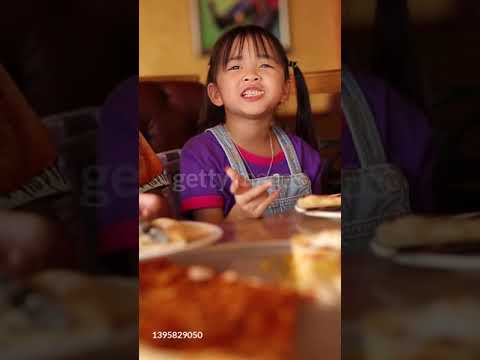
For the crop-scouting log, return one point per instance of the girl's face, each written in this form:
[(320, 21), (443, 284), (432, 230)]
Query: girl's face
[(252, 84)]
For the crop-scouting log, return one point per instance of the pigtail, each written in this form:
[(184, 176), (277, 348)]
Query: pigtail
[(303, 124)]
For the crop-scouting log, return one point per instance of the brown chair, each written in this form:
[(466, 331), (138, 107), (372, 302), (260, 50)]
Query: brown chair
[(328, 124), (327, 84), (323, 82), (169, 109)]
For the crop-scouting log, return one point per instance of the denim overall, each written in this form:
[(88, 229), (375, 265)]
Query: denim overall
[(377, 190), (291, 187)]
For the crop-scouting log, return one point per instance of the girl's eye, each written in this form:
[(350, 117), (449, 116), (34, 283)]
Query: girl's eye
[(266, 66), (234, 67)]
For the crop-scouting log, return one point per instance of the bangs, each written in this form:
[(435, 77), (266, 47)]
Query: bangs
[(262, 46), (232, 43)]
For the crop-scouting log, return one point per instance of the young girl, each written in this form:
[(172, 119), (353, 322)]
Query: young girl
[(244, 166)]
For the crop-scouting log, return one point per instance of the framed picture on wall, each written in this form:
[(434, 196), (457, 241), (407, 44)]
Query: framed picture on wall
[(211, 18)]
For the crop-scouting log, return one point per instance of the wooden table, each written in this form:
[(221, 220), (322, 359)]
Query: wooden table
[(370, 283), (312, 319), (321, 327), (272, 228)]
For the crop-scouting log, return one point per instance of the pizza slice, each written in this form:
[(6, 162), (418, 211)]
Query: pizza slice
[(317, 263), (320, 202), (239, 317)]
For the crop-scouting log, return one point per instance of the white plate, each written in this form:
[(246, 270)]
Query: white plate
[(213, 234), (430, 260), (320, 213)]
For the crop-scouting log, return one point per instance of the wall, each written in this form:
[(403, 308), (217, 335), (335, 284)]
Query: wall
[(166, 37)]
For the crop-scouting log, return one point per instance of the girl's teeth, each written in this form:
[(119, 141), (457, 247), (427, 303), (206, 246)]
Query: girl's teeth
[(251, 93)]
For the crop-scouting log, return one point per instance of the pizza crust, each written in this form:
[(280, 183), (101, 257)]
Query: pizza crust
[(310, 202)]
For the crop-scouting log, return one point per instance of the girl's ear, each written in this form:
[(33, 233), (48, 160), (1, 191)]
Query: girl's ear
[(214, 94), (286, 91)]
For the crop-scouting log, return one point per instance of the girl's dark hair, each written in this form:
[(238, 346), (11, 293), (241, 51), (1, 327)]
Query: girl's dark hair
[(211, 115)]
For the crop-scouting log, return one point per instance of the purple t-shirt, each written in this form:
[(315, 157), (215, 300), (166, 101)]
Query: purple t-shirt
[(405, 135), (204, 184)]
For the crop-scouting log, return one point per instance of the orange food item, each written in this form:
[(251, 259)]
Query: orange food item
[(148, 162), (25, 147), (235, 316)]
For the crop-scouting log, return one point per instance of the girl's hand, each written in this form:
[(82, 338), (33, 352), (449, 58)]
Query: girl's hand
[(152, 206), (250, 202), (28, 243)]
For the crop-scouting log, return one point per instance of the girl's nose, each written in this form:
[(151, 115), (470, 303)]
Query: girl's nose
[(251, 77)]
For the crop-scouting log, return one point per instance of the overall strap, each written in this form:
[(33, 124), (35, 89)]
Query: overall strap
[(288, 150), (361, 122), (230, 150)]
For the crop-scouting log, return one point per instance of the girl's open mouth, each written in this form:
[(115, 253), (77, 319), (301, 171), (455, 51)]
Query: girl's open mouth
[(252, 94)]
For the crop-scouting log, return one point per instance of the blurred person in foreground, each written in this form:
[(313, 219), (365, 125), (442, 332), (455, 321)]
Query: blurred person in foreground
[(29, 240), (127, 165), (387, 157)]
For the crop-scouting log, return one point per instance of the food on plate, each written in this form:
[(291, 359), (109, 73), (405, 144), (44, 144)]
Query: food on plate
[(237, 317), (439, 233), (317, 263), (169, 232), (65, 308), (446, 329), (317, 202)]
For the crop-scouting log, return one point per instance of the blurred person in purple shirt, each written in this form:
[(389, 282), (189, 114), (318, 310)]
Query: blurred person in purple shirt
[(406, 136), (386, 159)]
